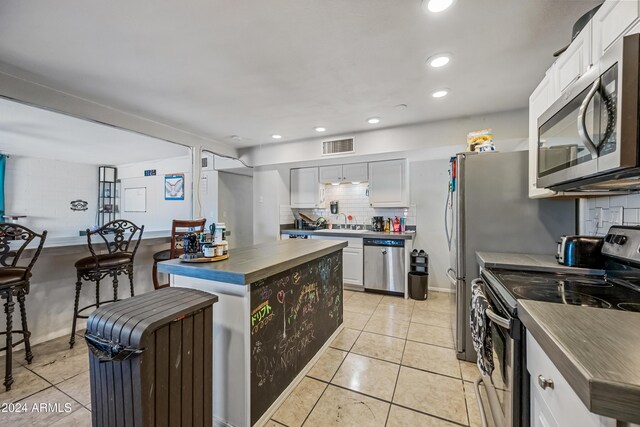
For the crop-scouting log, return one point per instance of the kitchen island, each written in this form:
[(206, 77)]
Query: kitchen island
[(280, 304)]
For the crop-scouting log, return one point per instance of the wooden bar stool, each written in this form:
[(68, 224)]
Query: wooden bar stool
[(179, 227), (118, 235), (14, 282)]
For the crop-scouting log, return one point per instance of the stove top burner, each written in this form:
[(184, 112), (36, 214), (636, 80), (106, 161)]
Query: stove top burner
[(558, 295), (603, 291), (630, 306)]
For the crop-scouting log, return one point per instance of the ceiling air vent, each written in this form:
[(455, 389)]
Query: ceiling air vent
[(338, 146)]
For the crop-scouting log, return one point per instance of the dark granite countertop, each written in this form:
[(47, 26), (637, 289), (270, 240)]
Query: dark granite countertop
[(528, 262), (252, 263), (408, 235), (597, 351)]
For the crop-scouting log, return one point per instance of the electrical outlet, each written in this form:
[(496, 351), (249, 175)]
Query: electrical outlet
[(616, 215), (599, 213)]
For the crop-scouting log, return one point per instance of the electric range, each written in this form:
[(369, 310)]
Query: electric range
[(616, 287)]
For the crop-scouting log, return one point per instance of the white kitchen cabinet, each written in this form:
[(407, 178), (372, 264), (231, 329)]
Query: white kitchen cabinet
[(574, 61), (306, 191), (389, 184), (353, 266), (555, 404), (613, 20), (352, 260), (330, 174), (355, 172)]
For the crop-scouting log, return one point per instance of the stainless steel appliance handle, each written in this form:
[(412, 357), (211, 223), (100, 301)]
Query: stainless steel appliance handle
[(582, 125), (500, 321), (483, 414)]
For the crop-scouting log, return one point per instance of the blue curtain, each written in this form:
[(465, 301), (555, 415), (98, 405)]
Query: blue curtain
[(3, 164)]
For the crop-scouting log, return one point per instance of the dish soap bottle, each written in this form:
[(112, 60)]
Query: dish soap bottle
[(396, 225)]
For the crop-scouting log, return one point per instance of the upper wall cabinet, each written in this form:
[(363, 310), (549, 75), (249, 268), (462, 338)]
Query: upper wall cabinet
[(574, 61), (613, 20), (306, 191), (389, 183), (329, 174), (354, 172)]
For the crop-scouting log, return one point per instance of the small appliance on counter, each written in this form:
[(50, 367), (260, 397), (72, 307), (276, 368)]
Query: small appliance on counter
[(580, 251), (377, 223), (333, 205)]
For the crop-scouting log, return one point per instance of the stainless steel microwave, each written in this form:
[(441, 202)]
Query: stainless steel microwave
[(588, 140)]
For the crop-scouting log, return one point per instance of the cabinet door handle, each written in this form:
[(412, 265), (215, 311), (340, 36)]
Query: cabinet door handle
[(545, 383)]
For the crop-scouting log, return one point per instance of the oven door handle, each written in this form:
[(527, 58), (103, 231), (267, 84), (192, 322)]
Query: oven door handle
[(483, 413), (499, 320), (582, 124)]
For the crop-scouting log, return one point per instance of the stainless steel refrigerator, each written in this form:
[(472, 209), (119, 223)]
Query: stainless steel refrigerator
[(488, 209)]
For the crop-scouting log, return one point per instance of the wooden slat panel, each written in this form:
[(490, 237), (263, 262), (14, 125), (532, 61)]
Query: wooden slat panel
[(175, 372), (198, 369), (162, 377), (187, 371), (143, 373), (207, 395)]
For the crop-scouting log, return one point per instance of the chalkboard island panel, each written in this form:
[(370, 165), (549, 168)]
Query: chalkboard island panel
[(268, 332)]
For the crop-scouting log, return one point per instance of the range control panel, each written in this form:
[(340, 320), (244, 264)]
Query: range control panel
[(623, 242)]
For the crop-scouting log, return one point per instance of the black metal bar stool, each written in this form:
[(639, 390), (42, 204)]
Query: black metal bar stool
[(118, 236), (14, 282)]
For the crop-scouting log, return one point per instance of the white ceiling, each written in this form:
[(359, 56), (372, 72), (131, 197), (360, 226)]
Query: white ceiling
[(253, 68), (34, 132)]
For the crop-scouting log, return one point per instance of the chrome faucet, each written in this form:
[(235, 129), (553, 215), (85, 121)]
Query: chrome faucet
[(345, 218)]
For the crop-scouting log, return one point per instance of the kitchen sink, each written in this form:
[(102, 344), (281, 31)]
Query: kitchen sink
[(340, 230)]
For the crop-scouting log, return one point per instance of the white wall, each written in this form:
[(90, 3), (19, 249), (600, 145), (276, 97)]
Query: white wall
[(159, 212), (236, 208), (429, 179), (42, 189), (510, 125)]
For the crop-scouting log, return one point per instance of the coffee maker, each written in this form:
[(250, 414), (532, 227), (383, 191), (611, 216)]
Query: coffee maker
[(377, 223)]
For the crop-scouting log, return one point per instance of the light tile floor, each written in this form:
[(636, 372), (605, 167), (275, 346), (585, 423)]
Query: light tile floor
[(393, 364)]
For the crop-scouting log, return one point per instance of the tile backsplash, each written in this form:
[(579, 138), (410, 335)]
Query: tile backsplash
[(353, 200), (610, 209)]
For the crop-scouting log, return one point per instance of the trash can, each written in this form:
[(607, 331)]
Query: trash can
[(418, 285), (151, 359)]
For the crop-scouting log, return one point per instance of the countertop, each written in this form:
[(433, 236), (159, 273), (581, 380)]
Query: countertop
[(407, 235), (252, 263), (528, 262), (596, 350), (75, 244)]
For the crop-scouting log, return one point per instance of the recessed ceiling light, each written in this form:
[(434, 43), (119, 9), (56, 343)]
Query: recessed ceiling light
[(373, 120), (276, 136), (401, 107), (236, 137), (440, 60), (436, 6), (440, 93), (320, 129)]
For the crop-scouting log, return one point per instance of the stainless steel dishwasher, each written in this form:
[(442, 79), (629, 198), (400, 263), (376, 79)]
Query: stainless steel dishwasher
[(384, 268)]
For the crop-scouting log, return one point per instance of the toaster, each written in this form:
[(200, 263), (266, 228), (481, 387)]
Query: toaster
[(580, 251)]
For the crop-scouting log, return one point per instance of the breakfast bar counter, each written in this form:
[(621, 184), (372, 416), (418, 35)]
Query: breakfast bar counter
[(280, 304)]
